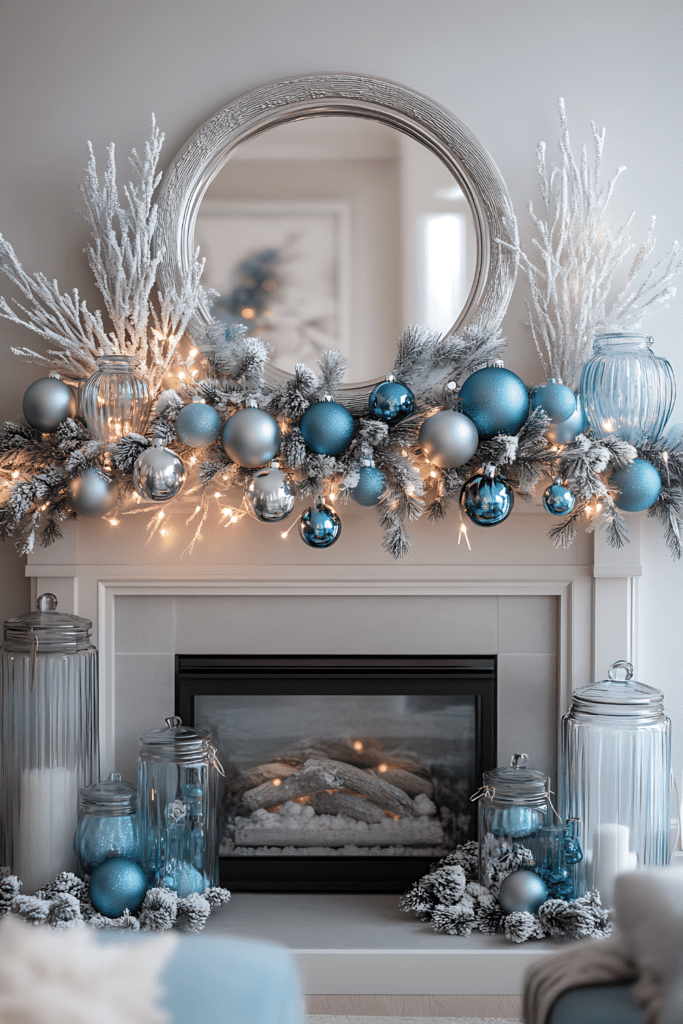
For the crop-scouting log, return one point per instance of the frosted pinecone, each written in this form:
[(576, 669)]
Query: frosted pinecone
[(127, 922), (419, 901), (447, 883), (31, 909), (521, 926), (293, 448), (489, 917), (193, 912), (457, 919), (5, 872), (216, 895), (64, 911), (64, 882), (9, 890), (478, 892), (159, 910), (467, 856)]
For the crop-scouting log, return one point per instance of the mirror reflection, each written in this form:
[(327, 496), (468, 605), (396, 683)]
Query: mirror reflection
[(336, 232)]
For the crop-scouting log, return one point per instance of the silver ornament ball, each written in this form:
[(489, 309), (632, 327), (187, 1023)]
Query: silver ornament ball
[(448, 439), (92, 494), (47, 403), (251, 437), (158, 473), (522, 890), (270, 494)]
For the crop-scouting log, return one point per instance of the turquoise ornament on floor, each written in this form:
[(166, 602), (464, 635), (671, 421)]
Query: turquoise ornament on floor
[(496, 400), (116, 885), (327, 427), (198, 424), (637, 486)]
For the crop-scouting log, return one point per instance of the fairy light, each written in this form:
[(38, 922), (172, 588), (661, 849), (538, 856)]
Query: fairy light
[(332, 495), (192, 460), (216, 494), (357, 746), (193, 353), (234, 518), (276, 782), (382, 768), (665, 456), (285, 534), (113, 522), (181, 375), (15, 474), (433, 473), (462, 533)]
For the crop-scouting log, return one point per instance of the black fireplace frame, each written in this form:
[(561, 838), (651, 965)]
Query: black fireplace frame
[(204, 675)]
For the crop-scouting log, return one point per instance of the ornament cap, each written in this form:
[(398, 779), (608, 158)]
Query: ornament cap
[(497, 363), (54, 375), (251, 403), (367, 461), (490, 469), (555, 380), (327, 398), (198, 400), (389, 378)]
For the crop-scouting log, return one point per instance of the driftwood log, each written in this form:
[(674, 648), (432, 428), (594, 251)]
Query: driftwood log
[(256, 776), (411, 784), (350, 804)]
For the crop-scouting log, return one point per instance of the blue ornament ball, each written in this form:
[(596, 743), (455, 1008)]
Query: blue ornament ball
[(370, 487), (558, 499), (565, 431), (184, 879), (117, 884), (637, 486), (496, 400), (391, 401), (327, 428), (556, 400), (522, 891), (516, 821), (198, 425), (319, 526), (486, 499)]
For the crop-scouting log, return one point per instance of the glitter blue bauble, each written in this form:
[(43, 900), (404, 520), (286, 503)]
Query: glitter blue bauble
[(184, 879), (327, 428), (496, 400), (558, 499), (117, 884), (516, 821), (487, 500), (251, 437), (391, 401), (565, 431), (370, 487), (198, 425), (556, 400), (319, 526), (637, 486), (522, 890)]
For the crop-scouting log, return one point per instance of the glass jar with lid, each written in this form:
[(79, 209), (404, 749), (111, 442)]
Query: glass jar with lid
[(178, 807), (107, 823), (514, 803), (616, 750), (49, 739)]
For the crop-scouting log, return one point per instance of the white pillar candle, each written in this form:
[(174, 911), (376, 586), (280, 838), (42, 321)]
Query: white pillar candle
[(611, 856), (48, 813)]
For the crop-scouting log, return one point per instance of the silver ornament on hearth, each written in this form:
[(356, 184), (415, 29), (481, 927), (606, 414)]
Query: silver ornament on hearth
[(270, 494), (92, 494), (251, 436), (448, 439), (158, 473), (522, 891), (47, 403)]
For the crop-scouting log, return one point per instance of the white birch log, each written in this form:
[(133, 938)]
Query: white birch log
[(350, 804), (411, 784)]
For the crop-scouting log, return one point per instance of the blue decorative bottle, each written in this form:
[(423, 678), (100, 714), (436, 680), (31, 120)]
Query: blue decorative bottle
[(107, 823)]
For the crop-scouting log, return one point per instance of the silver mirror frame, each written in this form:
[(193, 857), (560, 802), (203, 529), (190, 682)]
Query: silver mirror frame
[(209, 148)]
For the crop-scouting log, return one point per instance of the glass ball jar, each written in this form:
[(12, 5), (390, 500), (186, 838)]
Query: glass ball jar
[(107, 823), (115, 400)]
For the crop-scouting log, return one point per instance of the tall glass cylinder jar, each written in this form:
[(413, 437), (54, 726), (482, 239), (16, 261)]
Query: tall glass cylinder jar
[(115, 400), (49, 740), (616, 743), (178, 807), (107, 823), (626, 389)]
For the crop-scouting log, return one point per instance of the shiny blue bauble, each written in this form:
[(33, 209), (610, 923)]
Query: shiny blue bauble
[(370, 487), (184, 879), (319, 526), (565, 431), (198, 425), (327, 428), (496, 400), (556, 400), (637, 486), (486, 500), (116, 885), (558, 499), (516, 821), (522, 891), (391, 401)]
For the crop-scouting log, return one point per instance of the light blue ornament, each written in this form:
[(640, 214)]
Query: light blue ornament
[(391, 401), (566, 431), (558, 499), (198, 424), (184, 879), (487, 499), (371, 484), (516, 821), (496, 400), (327, 427), (319, 526), (555, 399), (637, 486), (116, 885), (522, 891)]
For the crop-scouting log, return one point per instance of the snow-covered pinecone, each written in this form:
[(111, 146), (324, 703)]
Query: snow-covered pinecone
[(159, 910), (601, 915), (127, 922), (9, 890), (419, 901), (447, 883), (551, 914), (193, 912), (478, 892), (66, 881), (521, 926), (64, 911), (457, 919), (489, 917), (31, 909), (216, 895), (293, 448), (467, 856)]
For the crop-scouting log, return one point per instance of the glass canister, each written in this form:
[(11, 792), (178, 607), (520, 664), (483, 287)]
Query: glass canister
[(626, 389), (178, 807), (616, 749), (115, 400), (514, 803), (49, 739), (107, 823)]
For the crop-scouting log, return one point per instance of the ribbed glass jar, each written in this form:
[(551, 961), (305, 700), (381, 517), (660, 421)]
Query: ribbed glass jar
[(115, 401), (626, 389), (107, 823), (49, 739), (178, 808), (616, 750)]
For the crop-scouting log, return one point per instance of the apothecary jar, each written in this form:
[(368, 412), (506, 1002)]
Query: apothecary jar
[(49, 740), (115, 400), (514, 804), (107, 823), (616, 750), (178, 775)]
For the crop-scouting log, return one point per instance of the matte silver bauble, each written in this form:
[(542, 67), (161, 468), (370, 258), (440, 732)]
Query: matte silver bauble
[(270, 494), (251, 437), (522, 891), (92, 494), (158, 473), (47, 403), (448, 439)]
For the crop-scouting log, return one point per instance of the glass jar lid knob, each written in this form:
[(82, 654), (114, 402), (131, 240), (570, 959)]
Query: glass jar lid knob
[(618, 666), (47, 603), (174, 722), (519, 760)]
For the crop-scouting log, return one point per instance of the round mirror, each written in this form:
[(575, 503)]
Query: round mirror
[(334, 211)]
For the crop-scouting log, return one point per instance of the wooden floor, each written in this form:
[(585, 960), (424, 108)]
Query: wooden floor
[(415, 1006)]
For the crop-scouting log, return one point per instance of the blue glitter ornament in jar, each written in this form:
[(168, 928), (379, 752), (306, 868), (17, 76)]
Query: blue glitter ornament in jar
[(514, 804), (107, 823)]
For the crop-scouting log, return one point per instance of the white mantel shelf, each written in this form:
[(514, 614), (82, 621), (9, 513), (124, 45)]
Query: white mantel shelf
[(365, 945)]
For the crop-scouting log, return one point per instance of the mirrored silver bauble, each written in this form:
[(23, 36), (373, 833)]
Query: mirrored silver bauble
[(556, 400), (391, 401), (566, 431), (558, 499), (47, 403), (158, 473), (486, 499), (320, 526), (92, 494), (198, 424), (251, 437), (522, 891), (270, 494), (448, 439)]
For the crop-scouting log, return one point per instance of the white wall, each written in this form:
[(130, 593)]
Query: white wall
[(72, 70)]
